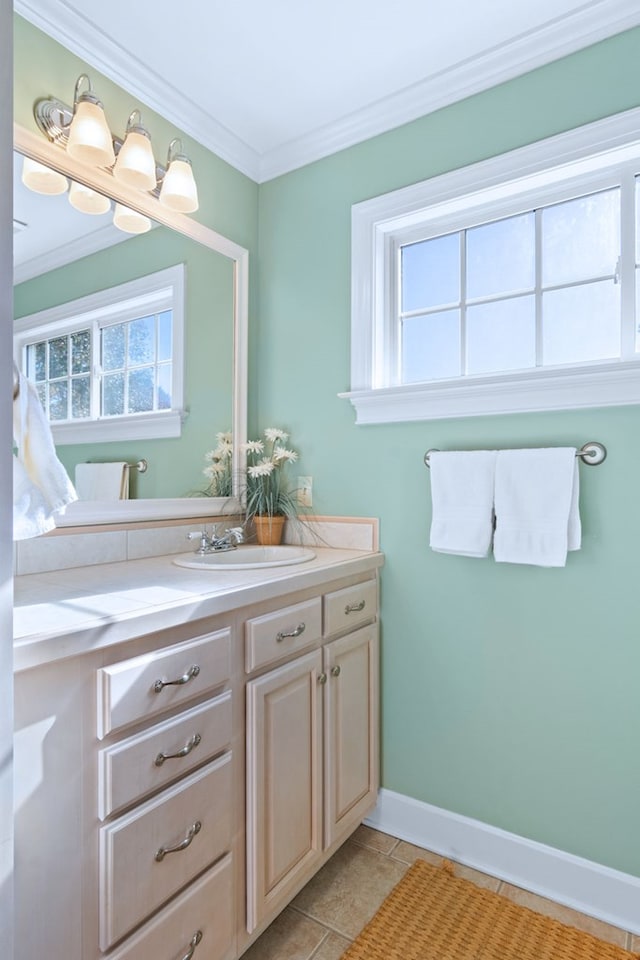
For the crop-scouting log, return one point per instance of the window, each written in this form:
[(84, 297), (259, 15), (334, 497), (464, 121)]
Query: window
[(109, 366), (511, 285)]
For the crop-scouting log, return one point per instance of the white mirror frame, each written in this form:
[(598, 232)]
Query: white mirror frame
[(33, 145)]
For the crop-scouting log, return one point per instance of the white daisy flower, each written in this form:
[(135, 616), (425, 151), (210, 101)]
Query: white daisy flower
[(281, 453), (273, 434)]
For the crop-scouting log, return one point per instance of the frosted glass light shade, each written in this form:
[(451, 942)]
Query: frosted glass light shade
[(42, 179), (89, 135), (130, 221), (136, 165), (179, 191), (87, 200)]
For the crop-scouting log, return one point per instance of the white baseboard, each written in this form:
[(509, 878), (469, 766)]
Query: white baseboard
[(591, 888)]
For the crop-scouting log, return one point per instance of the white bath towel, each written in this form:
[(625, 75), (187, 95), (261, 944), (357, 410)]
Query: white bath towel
[(536, 505), (41, 486), (102, 481), (462, 497)]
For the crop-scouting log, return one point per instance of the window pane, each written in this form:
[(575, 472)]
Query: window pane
[(501, 256), (142, 346), (37, 361), (581, 323), (501, 336), (164, 387), (80, 398), (140, 390), (113, 394), (431, 347), (42, 394), (430, 272), (81, 351), (58, 394), (113, 347), (581, 238), (58, 357), (165, 324)]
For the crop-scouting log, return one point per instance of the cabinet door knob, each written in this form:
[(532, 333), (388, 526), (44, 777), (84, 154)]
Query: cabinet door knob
[(190, 745), (293, 633), (322, 678), (163, 851), (189, 675), (335, 671), (354, 607), (193, 943)]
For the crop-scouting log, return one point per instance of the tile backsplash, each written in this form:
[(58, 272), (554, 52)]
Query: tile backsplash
[(63, 551)]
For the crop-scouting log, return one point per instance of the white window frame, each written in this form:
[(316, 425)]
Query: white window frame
[(570, 164), (152, 293)]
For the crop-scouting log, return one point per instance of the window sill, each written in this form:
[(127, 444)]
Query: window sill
[(141, 427), (601, 385)]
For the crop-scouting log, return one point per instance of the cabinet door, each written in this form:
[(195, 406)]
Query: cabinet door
[(351, 730), (284, 775)]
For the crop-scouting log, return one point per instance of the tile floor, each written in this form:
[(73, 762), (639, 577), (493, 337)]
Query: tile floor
[(331, 910)]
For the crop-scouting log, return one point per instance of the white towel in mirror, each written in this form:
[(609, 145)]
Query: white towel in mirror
[(102, 481)]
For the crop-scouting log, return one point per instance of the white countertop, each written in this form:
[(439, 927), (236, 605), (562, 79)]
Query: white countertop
[(65, 612)]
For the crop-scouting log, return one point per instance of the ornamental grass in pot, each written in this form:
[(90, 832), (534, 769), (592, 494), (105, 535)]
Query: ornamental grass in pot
[(270, 499)]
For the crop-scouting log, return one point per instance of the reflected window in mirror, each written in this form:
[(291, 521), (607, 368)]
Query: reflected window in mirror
[(109, 365)]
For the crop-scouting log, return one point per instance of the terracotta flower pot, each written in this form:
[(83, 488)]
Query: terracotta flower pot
[(269, 530)]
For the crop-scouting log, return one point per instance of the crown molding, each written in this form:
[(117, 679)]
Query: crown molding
[(559, 38), (564, 35), (80, 36)]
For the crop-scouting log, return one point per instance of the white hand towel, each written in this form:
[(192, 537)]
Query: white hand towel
[(462, 497), (41, 486), (102, 481), (536, 505)]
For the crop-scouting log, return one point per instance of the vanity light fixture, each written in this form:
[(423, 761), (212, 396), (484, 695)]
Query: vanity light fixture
[(42, 179), (89, 135), (178, 191), (135, 164), (130, 221), (87, 200)]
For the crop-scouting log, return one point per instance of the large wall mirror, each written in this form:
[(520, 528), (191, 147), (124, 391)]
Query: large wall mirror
[(215, 272)]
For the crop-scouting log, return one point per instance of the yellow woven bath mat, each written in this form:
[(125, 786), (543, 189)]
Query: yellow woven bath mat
[(433, 915)]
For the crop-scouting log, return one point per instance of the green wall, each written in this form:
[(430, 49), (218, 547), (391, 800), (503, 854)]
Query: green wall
[(509, 693)]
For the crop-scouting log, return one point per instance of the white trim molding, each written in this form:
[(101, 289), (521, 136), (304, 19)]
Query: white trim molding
[(561, 36), (592, 888), (583, 159)]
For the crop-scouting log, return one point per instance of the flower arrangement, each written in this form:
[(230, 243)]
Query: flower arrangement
[(219, 467), (268, 492)]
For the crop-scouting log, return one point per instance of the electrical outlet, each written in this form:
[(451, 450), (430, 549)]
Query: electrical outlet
[(305, 491)]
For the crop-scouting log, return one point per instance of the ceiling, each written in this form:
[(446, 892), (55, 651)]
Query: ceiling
[(270, 85)]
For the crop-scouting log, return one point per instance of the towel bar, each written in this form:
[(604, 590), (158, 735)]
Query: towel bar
[(591, 453)]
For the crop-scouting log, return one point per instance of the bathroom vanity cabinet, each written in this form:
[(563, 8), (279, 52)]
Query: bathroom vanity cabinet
[(176, 788)]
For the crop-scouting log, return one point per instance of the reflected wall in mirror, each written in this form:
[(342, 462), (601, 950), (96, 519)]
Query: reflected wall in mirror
[(214, 365)]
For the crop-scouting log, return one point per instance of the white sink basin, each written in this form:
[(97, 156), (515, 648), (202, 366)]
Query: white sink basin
[(245, 558)]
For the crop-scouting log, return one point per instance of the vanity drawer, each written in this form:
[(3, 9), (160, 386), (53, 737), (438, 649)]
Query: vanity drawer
[(135, 877), (350, 607), (278, 634), (206, 907), (145, 686), (135, 767)]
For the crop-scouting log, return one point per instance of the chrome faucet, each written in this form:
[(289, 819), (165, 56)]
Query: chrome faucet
[(209, 543)]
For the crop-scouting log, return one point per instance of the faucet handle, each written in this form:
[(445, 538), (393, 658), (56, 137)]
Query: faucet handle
[(195, 534), (237, 533)]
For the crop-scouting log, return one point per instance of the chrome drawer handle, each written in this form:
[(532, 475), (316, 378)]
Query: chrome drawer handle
[(335, 671), (293, 633), (163, 851), (193, 943), (354, 607), (186, 750), (322, 678), (189, 675)]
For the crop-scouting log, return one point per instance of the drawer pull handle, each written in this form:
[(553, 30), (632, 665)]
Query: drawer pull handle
[(335, 671), (354, 607), (322, 678), (193, 943), (186, 750), (189, 675), (293, 633), (163, 851)]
